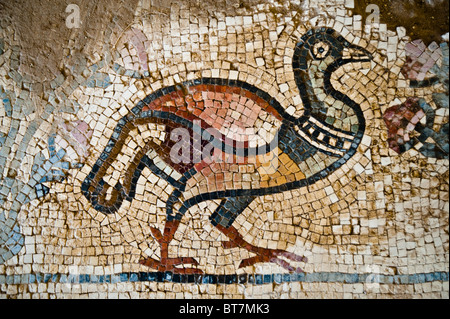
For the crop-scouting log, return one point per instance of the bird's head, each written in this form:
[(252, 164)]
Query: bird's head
[(318, 54), (325, 45)]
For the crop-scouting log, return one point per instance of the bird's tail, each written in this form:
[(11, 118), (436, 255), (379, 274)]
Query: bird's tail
[(108, 198)]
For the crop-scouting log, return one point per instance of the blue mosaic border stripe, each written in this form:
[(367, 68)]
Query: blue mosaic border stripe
[(257, 279)]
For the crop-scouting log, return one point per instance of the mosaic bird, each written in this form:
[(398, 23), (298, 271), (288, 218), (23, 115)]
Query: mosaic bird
[(235, 162)]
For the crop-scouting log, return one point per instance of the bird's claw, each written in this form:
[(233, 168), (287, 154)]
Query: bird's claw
[(157, 234), (271, 255), (169, 264)]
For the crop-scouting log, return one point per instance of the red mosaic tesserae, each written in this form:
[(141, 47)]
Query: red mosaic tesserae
[(401, 121)]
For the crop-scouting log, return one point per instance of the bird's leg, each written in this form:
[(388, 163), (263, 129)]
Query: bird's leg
[(262, 254), (167, 263), (164, 239)]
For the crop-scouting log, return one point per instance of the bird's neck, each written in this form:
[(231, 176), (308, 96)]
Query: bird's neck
[(311, 84), (323, 103)]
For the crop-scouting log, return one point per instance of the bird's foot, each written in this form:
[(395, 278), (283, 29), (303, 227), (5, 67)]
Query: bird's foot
[(170, 264), (266, 255), (272, 255), (166, 263)]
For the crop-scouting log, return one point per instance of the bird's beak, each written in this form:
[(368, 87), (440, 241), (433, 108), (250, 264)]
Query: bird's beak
[(354, 53)]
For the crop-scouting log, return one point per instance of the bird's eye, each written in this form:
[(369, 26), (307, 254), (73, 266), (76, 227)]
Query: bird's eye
[(320, 50)]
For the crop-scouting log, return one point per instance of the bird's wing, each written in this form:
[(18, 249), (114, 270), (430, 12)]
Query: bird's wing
[(236, 113)]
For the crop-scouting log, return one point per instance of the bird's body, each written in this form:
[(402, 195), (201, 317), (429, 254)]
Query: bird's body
[(241, 144)]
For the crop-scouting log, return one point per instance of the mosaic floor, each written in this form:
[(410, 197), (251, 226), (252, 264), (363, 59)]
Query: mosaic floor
[(195, 149)]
